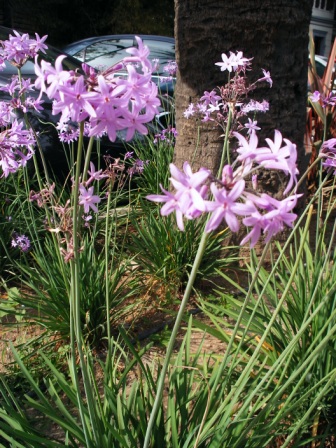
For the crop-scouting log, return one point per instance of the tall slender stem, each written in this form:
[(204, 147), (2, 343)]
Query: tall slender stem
[(226, 147), (107, 273), (200, 252), (77, 336), (179, 318)]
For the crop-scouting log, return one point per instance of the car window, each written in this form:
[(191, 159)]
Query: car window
[(164, 51), (319, 68), (160, 46), (104, 53), (69, 63)]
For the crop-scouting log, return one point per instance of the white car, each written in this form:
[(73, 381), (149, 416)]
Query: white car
[(321, 64)]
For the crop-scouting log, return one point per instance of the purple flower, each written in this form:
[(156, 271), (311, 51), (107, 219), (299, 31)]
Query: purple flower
[(251, 126), (225, 207), (53, 76), (171, 68), (315, 97), (128, 155), (248, 149), (16, 148), (275, 157), (233, 62), (266, 77), (87, 199), (272, 222), (75, 101), (210, 97), (189, 111), (255, 106), (140, 54), (20, 47), (21, 241), (108, 103), (329, 144), (229, 200), (328, 152), (281, 158), (95, 175), (138, 167), (87, 219), (189, 199), (171, 205), (166, 135), (189, 184), (330, 165)]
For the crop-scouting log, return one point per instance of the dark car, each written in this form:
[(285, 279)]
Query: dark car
[(44, 121), (104, 51)]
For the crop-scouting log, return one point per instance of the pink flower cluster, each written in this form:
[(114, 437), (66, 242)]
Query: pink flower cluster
[(275, 156), (16, 148), (17, 143), (232, 97), (19, 90), (228, 198), (107, 102), (234, 62), (171, 68), (22, 242), (328, 154), (20, 47), (324, 100), (167, 135)]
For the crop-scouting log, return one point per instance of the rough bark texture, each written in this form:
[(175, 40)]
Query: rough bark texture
[(274, 33)]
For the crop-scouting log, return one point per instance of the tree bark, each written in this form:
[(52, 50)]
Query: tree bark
[(274, 33)]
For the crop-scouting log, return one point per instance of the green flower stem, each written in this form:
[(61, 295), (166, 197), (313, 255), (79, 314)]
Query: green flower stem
[(107, 273), (87, 158), (178, 321), (75, 297), (44, 164), (75, 316), (200, 252), (50, 219), (226, 148)]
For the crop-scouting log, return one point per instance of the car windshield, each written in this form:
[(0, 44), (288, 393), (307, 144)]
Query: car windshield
[(106, 53), (321, 64)]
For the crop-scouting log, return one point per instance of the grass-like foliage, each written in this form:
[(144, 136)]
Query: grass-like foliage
[(79, 257), (284, 329), (164, 254)]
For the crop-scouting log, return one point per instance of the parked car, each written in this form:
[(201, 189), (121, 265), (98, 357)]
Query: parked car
[(104, 51), (321, 64), (44, 121)]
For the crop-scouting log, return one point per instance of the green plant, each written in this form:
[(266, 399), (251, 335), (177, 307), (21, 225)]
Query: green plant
[(284, 329), (120, 407), (164, 254), (321, 113), (274, 381), (43, 276)]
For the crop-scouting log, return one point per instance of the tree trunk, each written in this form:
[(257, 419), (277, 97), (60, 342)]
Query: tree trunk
[(274, 33)]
